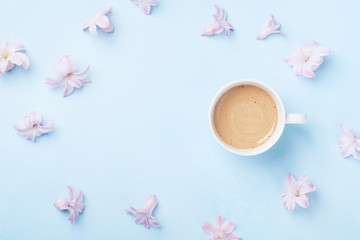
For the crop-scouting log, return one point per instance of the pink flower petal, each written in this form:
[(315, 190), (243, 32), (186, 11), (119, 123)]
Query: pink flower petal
[(228, 227), (289, 202), (145, 5), (306, 188), (219, 25), (3, 66), (54, 82), (71, 191), (208, 227), (269, 29), (61, 204), (233, 236), (65, 66), (150, 204), (99, 19), (219, 221), (302, 201), (306, 59)]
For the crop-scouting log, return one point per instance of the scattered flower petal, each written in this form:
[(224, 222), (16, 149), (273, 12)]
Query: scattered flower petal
[(144, 214), (297, 192), (10, 56), (221, 231), (33, 127), (219, 25), (101, 20), (307, 58), (145, 5), (269, 29), (67, 76), (74, 205), (349, 143)]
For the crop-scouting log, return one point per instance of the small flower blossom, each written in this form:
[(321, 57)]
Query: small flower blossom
[(10, 56), (145, 5), (307, 58), (349, 143), (101, 20), (67, 76), (297, 192), (219, 25), (74, 205), (269, 29), (221, 231), (144, 214), (33, 127)]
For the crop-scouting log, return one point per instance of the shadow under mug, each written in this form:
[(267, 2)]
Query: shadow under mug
[(283, 118)]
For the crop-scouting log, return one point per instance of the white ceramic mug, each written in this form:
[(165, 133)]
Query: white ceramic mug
[(283, 118)]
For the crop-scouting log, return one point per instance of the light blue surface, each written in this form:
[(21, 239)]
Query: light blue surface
[(142, 127)]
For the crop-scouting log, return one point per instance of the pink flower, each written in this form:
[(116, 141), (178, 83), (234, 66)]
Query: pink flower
[(67, 76), (307, 59), (349, 143), (33, 127), (219, 25), (74, 205), (144, 214), (297, 192), (99, 19), (10, 56), (222, 231), (145, 5), (269, 29)]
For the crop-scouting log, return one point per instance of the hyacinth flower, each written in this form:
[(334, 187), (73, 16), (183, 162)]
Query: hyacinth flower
[(67, 76), (269, 29), (221, 231), (349, 143), (144, 214), (145, 5), (10, 56), (33, 127), (219, 25), (74, 204), (306, 59), (297, 192), (99, 19)]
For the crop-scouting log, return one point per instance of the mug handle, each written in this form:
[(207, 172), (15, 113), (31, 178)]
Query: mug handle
[(295, 118)]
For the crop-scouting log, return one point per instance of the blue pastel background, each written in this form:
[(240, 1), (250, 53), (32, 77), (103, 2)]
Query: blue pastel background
[(141, 127)]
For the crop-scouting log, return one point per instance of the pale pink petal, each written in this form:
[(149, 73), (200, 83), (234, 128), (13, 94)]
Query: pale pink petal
[(154, 2), (290, 182), (208, 227), (14, 47), (62, 204), (269, 29), (68, 89), (10, 66), (347, 151), (25, 60), (219, 25), (31, 135), (44, 129), (302, 201), (73, 81), (83, 74), (345, 131), (93, 30), (14, 59), (103, 22), (145, 7), (146, 224), (140, 218), (3, 66), (73, 215), (132, 211), (110, 28), (307, 71), (150, 204), (228, 227), (306, 188), (54, 82), (34, 118), (219, 222), (72, 193), (233, 236), (289, 202), (154, 222), (24, 131), (301, 180), (65, 66)]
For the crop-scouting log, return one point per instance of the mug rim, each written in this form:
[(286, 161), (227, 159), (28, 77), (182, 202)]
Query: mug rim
[(279, 127)]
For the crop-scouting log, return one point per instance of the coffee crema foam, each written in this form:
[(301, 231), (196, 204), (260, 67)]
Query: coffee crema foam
[(245, 116)]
